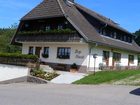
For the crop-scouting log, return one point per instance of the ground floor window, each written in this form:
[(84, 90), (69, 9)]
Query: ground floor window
[(63, 52), (131, 58), (45, 53), (116, 57), (105, 55), (31, 50)]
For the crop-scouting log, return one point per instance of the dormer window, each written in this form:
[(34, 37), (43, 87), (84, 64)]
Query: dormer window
[(48, 28), (60, 27), (115, 35)]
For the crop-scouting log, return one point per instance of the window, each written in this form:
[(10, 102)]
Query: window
[(60, 27), (45, 52), (105, 55), (115, 35), (131, 58), (129, 39), (31, 50), (48, 28), (63, 53), (26, 25), (116, 56)]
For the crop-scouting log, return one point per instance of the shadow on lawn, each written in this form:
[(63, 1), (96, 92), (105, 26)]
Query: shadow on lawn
[(136, 92)]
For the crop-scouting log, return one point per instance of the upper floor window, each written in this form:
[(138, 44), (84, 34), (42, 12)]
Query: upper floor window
[(26, 25), (48, 28), (116, 57), (31, 50), (60, 27), (117, 35), (45, 53), (131, 58), (63, 52)]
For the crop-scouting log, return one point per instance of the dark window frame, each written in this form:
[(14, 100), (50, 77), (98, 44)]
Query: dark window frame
[(45, 53), (106, 55), (47, 28), (31, 50), (131, 58), (116, 56), (63, 52)]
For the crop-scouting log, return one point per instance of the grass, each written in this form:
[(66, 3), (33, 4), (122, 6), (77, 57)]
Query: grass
[(132, 80), (107, 77)]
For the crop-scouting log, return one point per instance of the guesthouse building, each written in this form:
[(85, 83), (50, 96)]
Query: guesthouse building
[(62, 32)]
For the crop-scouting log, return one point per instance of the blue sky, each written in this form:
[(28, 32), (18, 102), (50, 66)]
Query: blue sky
[(124, 12)]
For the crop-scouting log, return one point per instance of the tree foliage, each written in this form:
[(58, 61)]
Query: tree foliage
[(137, 33), (5, 39)]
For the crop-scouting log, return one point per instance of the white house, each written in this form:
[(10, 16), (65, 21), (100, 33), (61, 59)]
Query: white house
[(62, 32)]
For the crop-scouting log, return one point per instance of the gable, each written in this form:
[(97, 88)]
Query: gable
[(46, 9)]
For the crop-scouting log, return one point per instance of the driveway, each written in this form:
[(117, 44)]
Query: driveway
[(52, 94)]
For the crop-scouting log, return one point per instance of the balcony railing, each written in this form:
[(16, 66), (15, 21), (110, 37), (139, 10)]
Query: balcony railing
[(55, 31), (49, 36)]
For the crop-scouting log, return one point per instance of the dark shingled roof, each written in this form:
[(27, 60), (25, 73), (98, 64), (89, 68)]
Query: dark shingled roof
[(46, 9), (101, 18), (56, 8)]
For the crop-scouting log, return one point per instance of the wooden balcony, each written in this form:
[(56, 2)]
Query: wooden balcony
[(51, 36)]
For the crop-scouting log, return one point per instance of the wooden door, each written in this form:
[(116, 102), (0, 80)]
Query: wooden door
[(37, 51)]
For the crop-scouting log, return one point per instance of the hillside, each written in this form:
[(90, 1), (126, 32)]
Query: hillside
[(5, 38)]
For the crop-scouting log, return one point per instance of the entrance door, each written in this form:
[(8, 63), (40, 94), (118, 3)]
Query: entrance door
[(37, 51)]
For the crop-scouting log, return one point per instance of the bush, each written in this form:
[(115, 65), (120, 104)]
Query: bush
[(16, 55), (44, 75), (38, 73), (17, 59), (51, 75)]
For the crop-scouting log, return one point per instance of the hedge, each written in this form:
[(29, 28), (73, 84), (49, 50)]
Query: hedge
[(16, 55), (18, 59)]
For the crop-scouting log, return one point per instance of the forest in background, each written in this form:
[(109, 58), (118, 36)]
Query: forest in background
[(6, 35)]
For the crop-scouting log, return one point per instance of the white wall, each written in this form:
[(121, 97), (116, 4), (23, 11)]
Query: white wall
[(8, 72), (53, 52), (88, 60), (99, 59)]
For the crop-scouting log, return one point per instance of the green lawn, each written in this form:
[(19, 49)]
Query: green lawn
[(107, 77)]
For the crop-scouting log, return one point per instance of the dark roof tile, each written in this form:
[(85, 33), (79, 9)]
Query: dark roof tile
[(53, 8), (47, 8)]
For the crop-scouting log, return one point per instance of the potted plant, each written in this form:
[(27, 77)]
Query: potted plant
[(73, 68)]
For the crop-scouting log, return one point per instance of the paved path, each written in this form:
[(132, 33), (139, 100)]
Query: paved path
[(51, 94), (68, 78)]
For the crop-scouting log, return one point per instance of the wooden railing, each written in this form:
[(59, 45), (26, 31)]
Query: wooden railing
[(67, 37)]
